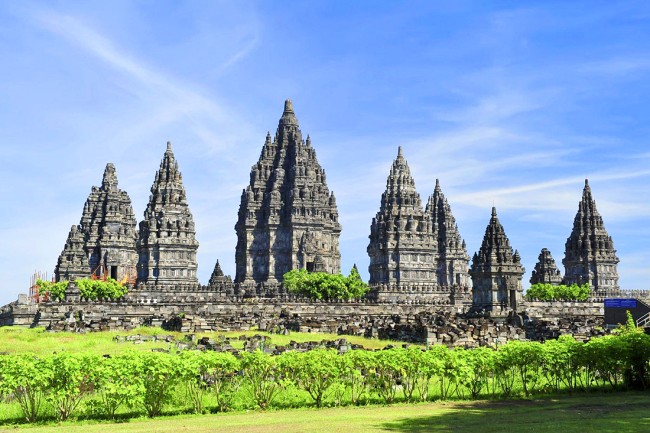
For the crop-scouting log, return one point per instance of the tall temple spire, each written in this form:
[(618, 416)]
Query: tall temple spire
[(546, 271), (589, 255), (453, 261), (167, 245), (496, 271), (106, 234), (402, 246), (287, 217)]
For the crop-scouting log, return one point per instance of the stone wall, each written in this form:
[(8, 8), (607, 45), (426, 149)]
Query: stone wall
[(207, 311), (559, 309)]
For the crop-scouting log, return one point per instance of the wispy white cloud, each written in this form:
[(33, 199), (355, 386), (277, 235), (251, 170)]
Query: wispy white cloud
[(618, 66), (168, 99)]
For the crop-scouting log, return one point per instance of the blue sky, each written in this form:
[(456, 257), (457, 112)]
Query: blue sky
[(507, 103)]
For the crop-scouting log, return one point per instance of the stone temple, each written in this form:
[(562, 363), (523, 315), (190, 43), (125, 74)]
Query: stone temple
[(415, 253), (496, 271), (589, 255), (546, 271), (403, 246), (453, 261), (167, 242), (104, 240), (288, 218)]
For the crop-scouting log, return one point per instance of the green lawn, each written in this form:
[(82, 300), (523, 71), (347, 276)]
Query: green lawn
[(616, 413), (37, 340)]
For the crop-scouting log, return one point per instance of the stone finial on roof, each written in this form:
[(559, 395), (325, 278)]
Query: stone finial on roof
[(109, 180), (288, 115)]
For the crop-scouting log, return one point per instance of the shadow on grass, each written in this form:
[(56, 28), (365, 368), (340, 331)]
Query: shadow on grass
[(580, 414)]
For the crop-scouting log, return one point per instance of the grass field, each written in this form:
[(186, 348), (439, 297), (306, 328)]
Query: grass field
[(37, 340), (615, 413)]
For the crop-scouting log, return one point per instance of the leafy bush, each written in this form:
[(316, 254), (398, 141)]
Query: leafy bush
[(97, 289), (352, 366), (263, 377), (88, 288), (314, 371), (119, 383), (152, 380), (321, 285), (209, 373), (71, 377), (160, 374), (27, 379), (550, 292), (56, 291)]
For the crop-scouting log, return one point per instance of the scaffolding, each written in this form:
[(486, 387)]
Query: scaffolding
[(34, 296), (129, 277)]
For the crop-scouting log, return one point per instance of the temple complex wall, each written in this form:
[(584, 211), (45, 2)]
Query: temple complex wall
[(206, 310)]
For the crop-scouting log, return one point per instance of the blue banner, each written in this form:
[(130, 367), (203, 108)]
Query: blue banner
[(620, 303)]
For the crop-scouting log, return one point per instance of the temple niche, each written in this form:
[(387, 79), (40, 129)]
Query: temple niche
[(496, 272), (167, 245), (589, 255), (103, 243), (546, 271), (288, 219)]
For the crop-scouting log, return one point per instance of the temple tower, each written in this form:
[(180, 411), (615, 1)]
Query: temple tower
[(107, 231), (590, 256), (288, 219), (496, 271), (73, 261), (452, 260), (403, 244), (546, 271), (167, 244), (218, 276)]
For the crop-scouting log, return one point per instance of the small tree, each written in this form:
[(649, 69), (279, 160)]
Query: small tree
[(262, 375), (72, 377), (321, 285), (160, 374), (355, 285), (314, 371), (27, 378), (119, 382)]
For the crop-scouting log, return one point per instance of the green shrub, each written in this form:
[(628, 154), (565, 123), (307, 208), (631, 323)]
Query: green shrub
[(119, 383), (98, 289), (321, 285), (314, 371), (26, 378), (160, 373), (550, 292), (88, 288), (263, 377), (55, 291), (72, 377)]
